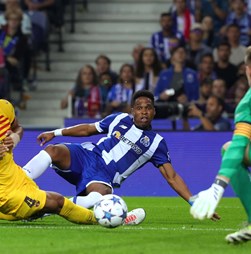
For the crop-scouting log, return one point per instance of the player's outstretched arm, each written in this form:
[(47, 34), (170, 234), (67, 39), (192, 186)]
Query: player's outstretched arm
[(175, 181), (178, 184), (81, 130)]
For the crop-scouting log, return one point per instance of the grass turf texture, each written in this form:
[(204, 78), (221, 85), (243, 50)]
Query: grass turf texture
[(168, 228)]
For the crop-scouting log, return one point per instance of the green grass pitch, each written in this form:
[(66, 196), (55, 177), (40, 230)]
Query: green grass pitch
[(168, 228)]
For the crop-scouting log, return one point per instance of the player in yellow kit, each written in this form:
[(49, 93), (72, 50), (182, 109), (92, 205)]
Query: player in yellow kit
[(20, 197)]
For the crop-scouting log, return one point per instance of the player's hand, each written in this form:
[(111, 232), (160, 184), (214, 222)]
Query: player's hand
[(215, 216), (205, 202), (45, 137), (8, 141), (3, 150), (11, 140)]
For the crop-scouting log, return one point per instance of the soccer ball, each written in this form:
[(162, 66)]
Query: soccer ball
[(111, 211)]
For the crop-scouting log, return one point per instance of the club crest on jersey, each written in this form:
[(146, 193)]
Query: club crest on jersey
[(145, 141), (125, 140)]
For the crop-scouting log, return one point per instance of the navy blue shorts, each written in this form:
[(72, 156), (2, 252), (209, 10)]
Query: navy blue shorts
[(86, 168)]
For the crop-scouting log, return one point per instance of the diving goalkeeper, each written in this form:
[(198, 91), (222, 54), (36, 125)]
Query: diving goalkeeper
[(233, 168)]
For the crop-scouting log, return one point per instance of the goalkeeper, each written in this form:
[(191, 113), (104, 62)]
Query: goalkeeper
[(233, 168)]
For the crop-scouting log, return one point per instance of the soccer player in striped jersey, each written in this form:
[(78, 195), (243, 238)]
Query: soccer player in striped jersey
[(233, 168), (96, 168), (20, 197)]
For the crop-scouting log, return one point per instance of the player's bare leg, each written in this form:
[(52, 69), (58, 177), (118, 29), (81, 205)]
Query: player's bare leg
[(59, 155)]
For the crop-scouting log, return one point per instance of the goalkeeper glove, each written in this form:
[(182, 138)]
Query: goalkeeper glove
[(205, 202)]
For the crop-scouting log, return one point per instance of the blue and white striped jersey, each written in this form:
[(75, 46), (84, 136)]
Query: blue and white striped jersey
[(126, 148)]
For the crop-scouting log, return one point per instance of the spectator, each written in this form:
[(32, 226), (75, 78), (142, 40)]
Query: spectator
[(241, 69), (182, 80), (219, 88), (173, 43), (147, 71), (105, 82), (207, 24), (83, 101), (240, 17), (212, 119), (217, 10), (206, 68), (205, 91), (223, 68), (25, 23), (162, 41), (183, 18), (240, 88), (195, 47), (120, 94), (26, 29), (40, 23), (238, 51), (103, 64), (54, 9), (16, 49), (135, 54)]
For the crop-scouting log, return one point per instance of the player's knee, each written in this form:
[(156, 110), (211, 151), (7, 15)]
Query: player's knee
[(55, 152), (54, 202), (100, 188), (51, 150)]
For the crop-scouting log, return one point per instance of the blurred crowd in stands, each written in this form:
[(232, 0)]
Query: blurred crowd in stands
[(25, 26), (193, 64)]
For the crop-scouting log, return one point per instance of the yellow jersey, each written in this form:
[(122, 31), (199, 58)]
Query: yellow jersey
[(12, 176)]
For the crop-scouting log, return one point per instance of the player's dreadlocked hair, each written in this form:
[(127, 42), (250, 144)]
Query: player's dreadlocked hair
[(142, 93), (247, 58)]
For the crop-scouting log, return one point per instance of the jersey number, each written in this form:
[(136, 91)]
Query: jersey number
[(29, 201)]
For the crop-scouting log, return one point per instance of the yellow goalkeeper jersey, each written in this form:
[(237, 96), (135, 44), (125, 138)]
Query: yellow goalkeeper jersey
[(11, 175)]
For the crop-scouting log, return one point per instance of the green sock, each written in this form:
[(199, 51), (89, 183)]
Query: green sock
[(241, 183)]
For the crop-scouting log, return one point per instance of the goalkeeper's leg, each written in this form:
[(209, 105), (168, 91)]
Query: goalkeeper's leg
[(242, 187), (241, 181), (241, 184)]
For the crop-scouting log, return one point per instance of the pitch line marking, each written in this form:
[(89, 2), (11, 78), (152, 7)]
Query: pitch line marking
[(124, 228)]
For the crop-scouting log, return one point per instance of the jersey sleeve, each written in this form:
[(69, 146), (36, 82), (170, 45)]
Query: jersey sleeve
[(103, 125), (161, 155), (234, 155)]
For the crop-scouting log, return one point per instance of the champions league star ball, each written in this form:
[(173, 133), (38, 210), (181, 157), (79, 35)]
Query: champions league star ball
[(111, 211)]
